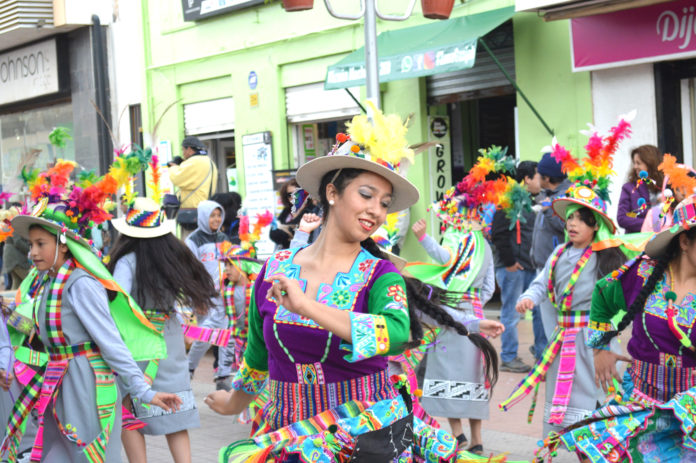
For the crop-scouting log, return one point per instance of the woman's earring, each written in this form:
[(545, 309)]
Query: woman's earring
[(331, 202)]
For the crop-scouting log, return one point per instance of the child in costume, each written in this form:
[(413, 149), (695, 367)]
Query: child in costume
[(322, 346), (464, 265), (203, 242), (241, 269), (159, 271), (683, 185), (81, 339), (563, 288)]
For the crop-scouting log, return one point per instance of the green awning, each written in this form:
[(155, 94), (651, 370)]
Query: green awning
[(441, 46)]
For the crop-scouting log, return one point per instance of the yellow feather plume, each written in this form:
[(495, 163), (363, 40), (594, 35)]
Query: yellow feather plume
[(385, 139)]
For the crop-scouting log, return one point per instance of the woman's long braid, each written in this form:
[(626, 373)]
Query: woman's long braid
[(638, 304), (428, 300)]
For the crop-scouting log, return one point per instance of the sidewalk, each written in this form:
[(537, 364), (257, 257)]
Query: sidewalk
[(504, 432)]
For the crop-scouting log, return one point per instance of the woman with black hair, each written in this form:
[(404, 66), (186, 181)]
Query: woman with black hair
[(651, 420), (323, 318), (159, 271)]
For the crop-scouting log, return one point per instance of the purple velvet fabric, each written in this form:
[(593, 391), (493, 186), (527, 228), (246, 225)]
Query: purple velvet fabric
[(628, 202), (639, 346), (307, 344)]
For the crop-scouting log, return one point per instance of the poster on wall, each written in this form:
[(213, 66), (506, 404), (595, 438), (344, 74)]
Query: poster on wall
[(201, 9), (439, 163), (258, 180)]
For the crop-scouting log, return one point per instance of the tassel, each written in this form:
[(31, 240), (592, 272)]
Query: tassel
[(519, 237), (530, 414)]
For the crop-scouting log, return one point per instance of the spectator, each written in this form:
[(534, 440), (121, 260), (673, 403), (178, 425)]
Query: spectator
[(549, 230), (195, 175), (514, 271), (631, 212), (294, 208), (231, 202), (15, 259)]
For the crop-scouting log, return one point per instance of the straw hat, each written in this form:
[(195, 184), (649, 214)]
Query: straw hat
[(49, 216), (144, 219), (377, 147)]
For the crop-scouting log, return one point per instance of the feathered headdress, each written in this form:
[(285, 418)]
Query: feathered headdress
[(595, 170), (678, 176), (250, 234), (463, 205), (388, 235), (127, 166)]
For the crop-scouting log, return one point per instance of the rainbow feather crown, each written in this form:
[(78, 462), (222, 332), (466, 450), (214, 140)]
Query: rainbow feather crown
[(80, 204), (595, 170), (463, 205), (249, 235), (388, 235)]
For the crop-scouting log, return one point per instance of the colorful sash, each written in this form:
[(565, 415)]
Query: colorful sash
[(217, 336), (563, 340)]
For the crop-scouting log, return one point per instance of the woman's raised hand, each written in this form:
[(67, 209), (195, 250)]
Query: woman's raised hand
[(287, 292)]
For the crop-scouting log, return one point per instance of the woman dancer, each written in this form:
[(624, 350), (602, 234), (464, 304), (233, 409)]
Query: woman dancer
[(158, 270), (323, 318)]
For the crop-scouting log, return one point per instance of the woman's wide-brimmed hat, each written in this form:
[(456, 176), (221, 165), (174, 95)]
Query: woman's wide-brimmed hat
[(144, 219), (684, 218), (585, 197), (375, 147)]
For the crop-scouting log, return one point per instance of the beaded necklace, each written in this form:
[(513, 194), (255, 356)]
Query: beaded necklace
[(566, 301)]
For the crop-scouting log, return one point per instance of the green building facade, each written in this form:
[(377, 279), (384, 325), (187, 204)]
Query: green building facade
[(260, 70)]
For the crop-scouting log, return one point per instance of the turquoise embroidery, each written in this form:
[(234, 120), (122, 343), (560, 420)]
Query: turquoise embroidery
[(342, 294), (656, 305)]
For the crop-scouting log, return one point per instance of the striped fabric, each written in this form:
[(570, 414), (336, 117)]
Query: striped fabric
[(217, 336), (292, 402), (660, 382), (563, 340)]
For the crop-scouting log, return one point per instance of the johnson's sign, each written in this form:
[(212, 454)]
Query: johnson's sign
[(28, 72), (640, 35)]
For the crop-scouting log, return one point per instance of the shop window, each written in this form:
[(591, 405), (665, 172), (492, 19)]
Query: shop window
[(313, 139), (24, 142)]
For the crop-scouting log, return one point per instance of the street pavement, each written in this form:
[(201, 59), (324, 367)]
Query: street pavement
[(503, 432)]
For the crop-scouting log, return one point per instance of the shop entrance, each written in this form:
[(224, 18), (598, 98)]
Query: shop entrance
[(222, 151)]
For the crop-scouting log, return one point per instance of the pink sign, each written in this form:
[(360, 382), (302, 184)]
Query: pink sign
[(639, 35)]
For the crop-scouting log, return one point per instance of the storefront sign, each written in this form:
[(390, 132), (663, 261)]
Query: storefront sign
[(29, 72), (440, 163), (404, 66), (258, 180), (201, 9), (653, 33)]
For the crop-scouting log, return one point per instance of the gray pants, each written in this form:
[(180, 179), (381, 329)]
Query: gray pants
[(216, 318)]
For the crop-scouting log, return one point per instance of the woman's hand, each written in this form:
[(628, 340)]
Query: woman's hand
[(166, 401), (524, 305), (309, 223), (605, 367), (287, 292), (6, 380), (219, 401), (491, 328), (419, 228)]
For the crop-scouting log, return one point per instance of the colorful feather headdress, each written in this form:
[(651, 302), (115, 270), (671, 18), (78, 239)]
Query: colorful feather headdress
[(250, 234), (127, 166), (463, 206), (678, 176), (595, 170), (80, 204)]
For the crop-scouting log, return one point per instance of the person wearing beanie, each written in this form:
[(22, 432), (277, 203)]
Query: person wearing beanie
[(549, 230)]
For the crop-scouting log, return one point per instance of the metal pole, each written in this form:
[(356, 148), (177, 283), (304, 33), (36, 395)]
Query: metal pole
[(371, 61)]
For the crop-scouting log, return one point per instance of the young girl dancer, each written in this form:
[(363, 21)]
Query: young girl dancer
[(158, 270), (81, 339), (564, 287)]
